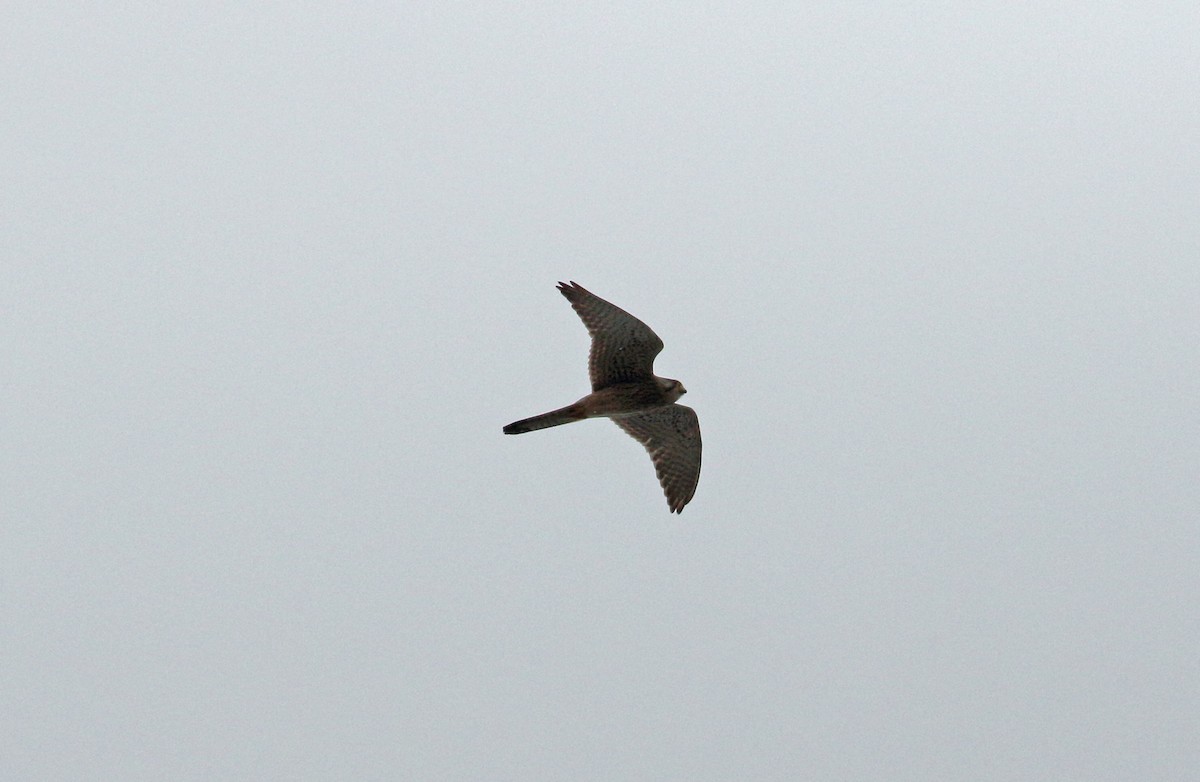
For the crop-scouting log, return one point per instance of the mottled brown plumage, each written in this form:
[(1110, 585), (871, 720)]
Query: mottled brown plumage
[(625, 389)]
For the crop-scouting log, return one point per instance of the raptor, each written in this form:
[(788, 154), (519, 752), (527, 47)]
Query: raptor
[(625, 389)]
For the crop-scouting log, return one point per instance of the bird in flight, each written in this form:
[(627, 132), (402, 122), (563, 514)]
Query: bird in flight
[(625, 389)]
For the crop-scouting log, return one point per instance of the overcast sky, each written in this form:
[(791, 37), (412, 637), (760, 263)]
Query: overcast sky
[(273, 278)]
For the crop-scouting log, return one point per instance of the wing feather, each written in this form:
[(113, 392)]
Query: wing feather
[(671, 435), (623, 348)]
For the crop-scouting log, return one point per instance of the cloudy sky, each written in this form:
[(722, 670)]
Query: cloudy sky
[(273, 278)]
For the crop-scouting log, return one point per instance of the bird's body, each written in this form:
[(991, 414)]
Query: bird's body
[(625, 389), (616, 401)]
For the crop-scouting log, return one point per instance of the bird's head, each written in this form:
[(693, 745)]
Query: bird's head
[(672, 389)]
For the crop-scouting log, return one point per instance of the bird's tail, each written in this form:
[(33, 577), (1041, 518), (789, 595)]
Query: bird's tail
[(563, 415)]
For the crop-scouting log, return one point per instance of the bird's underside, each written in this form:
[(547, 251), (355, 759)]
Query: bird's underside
[(625, 389)]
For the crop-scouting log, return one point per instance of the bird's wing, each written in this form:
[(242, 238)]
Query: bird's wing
[(623, 348), (671, 435)]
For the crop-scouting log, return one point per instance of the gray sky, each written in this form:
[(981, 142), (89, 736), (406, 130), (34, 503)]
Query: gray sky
[(273, 279)]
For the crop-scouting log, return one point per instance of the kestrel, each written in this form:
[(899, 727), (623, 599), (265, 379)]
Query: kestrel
[(625, 389)]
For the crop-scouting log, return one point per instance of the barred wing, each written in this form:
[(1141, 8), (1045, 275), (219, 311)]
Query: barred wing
[(623, 348), (671, 435)]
